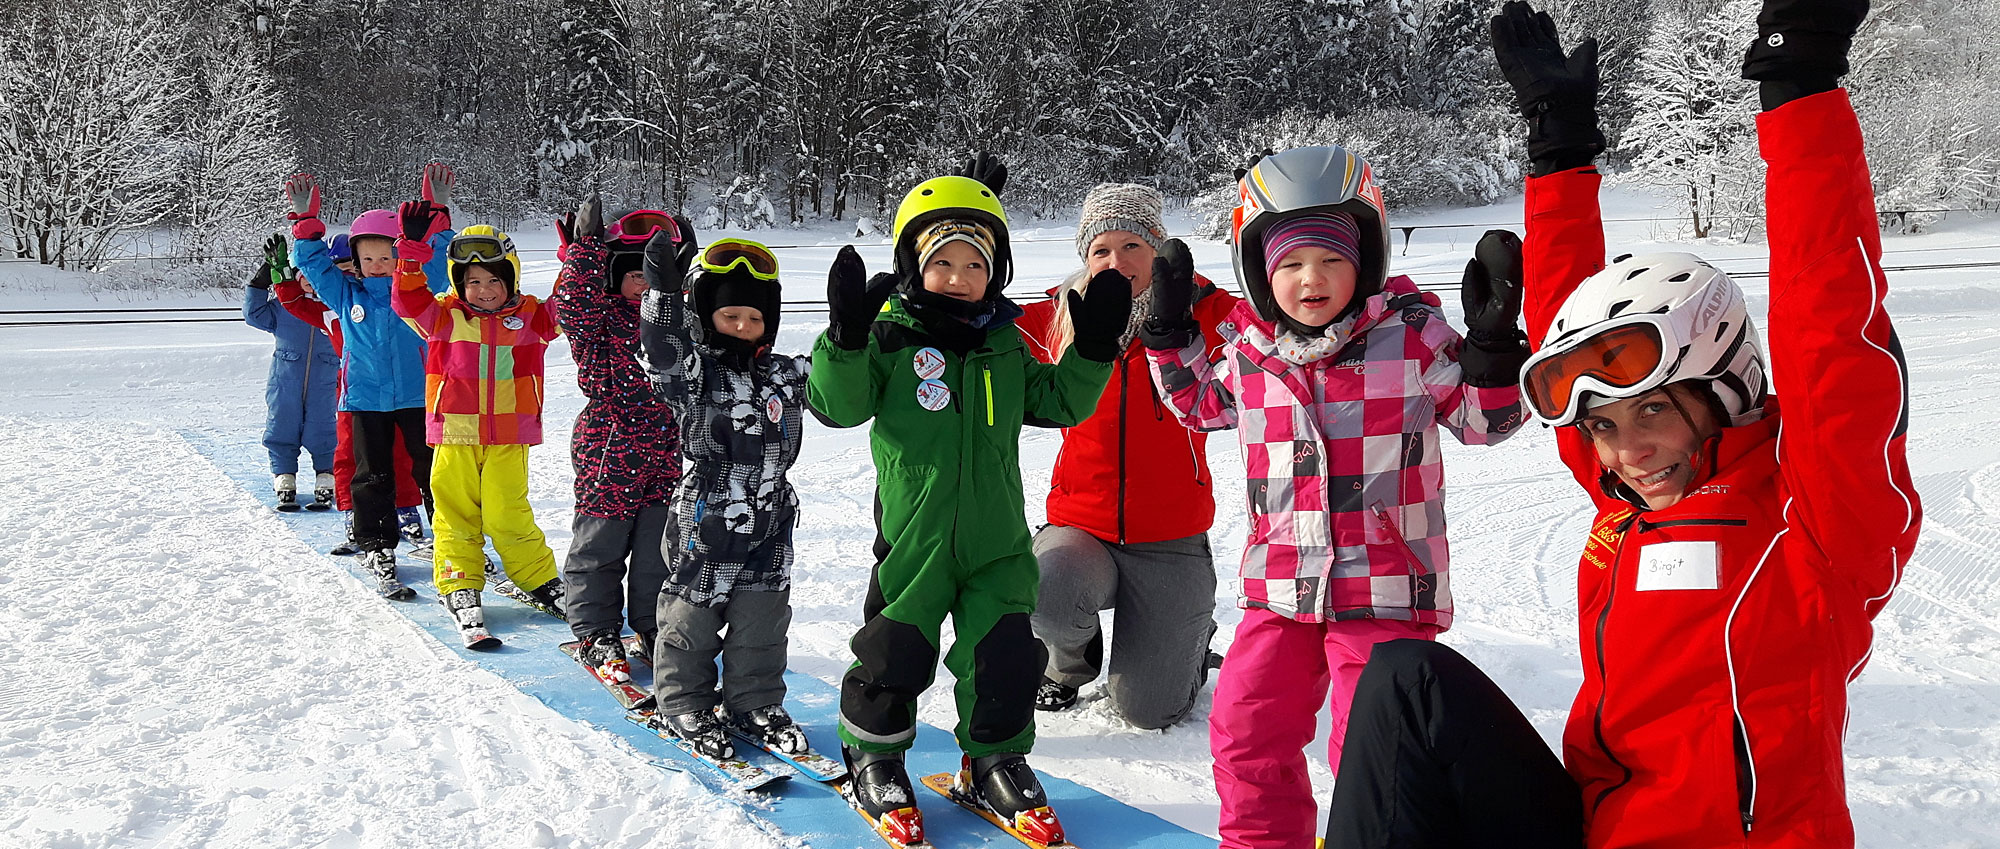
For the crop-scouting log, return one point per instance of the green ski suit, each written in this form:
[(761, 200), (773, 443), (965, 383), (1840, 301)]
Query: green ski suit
[(951, 534)]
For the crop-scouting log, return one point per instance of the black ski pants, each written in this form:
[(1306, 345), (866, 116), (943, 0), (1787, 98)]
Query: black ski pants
[(374, 436), (1437, 757)]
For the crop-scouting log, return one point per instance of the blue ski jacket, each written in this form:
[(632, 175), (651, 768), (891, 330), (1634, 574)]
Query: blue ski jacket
[(383, 357)]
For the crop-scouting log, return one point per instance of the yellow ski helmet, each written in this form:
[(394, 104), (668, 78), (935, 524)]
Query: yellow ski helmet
[(940, 198), (480, 244)]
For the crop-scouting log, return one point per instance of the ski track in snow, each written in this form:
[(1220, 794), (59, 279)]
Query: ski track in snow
[(187, 673)]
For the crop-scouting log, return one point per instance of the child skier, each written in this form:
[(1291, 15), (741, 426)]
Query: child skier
[(946, 378), (1336, 378), (707, 344), (625, 446), (298, 299), (299, 395), (482, 410), (382, 365)]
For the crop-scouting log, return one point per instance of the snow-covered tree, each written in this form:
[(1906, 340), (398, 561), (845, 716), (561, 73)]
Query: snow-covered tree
[(1694, 113), (235, 148), (89, 98)]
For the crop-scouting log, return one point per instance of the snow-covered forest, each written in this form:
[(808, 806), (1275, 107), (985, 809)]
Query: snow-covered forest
[(131, 116)]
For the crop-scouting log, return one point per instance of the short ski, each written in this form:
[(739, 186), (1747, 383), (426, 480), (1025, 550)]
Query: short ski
[(810, 764), (897, 833), (628, 694), (943, 783), (738, 772)]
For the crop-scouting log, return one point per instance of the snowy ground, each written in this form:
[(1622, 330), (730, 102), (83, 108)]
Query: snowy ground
[(183, 671)]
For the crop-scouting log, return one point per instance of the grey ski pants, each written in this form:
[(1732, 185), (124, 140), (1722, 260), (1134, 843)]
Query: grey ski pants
[(602, 594), (1162, 595), (753, 650)]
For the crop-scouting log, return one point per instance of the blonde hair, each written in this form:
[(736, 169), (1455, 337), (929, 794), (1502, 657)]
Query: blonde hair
[(1062, 331)]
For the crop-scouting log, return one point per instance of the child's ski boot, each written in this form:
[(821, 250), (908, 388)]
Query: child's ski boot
[(287, 487), (322, 492), (410, 524), (549, 597), (1004, 785), (346, 547), (880, 789), (702, 730), (772, 725), (604, 653), (382, 565), (642, 648), (465, 610)]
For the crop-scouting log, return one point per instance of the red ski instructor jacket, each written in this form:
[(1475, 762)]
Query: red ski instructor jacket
[(1719, 634)]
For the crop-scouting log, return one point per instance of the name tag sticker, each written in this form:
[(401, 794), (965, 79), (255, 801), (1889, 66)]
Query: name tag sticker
[(1680, 565)]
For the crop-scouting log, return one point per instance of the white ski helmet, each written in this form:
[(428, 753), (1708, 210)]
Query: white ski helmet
[(1641, 323), (1302, 181)]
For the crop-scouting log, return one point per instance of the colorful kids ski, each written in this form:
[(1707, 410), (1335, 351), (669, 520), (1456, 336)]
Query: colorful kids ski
[(1044, 832), (737, 772), (628, 694), (898, 832), (809, 763)]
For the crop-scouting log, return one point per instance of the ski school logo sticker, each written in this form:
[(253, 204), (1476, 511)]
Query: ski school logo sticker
[(357, 314), (929, 363), (513, 322), (773, 408), (932, 395)]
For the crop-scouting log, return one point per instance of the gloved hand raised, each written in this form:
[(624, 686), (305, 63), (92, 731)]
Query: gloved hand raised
[(1556, 92), (419, 220), (1100, 315), (277, 254), (987, 169), (302, 192), (1802, 47), (439, 180), (1495, 346), (854, 299), (667, 263), (587, 222), (1170, 324)]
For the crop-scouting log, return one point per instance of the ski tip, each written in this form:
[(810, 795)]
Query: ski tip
[(487, 644), (404, 594)]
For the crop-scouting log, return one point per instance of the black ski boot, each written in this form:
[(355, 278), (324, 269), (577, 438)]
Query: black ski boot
[(1004, 785), (410, 524), (605, 653), (880, 789), (466, 611), (642, 648), (549, 597), (382, 565), (702, 730), (1052, 695), (348, 547), (775, 727)]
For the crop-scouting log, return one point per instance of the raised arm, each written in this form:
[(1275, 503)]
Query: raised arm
[(584, 297), (1836, 365), (1067, 392), (1199, 390), (666, 327), (412, 297), (843, 388)]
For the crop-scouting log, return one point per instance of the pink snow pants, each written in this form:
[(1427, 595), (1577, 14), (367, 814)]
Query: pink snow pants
[(1266, 706)]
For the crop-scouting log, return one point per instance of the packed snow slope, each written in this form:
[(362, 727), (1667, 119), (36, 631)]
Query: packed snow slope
[(183, 671)]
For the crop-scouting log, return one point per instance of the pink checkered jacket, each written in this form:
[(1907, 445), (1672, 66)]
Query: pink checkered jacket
[(1346, 488)]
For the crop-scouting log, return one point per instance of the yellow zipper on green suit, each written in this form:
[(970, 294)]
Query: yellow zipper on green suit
[(988, 370)]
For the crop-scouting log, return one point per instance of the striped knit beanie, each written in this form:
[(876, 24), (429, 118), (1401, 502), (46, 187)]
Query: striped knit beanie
[(1121, 206), (1334, 231), (942, 233)]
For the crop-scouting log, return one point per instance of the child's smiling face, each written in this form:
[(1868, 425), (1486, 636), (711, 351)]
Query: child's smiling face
[(484, 289), (1313, 284), (957, 270), (375, 255)]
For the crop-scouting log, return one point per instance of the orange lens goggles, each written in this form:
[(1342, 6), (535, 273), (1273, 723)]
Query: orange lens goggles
[(726, 254), (1622, 358), (640, 226)]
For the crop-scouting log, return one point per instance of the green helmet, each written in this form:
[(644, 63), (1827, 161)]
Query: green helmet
[(954, 197)]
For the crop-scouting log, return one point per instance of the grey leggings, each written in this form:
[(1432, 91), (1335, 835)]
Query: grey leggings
[(752, 646), (1162, 595)]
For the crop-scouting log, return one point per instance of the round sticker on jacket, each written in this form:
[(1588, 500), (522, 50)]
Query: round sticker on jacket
[(929, 363), (932, 395), (774, 408), (357, 314), (513, 322)]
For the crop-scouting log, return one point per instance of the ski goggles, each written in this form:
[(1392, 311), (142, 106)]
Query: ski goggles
[(1622, 360), (479, 249), (728, 254), (637, 227)]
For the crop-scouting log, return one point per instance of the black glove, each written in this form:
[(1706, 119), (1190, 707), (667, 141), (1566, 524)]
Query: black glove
[(1100, 315), (1801, 47), (1495, 347), (260, 277), (586, 222), (987, 169), (854, 299), (1557, 93), (667, 263), (1170, 324), (1254, 159), (416, 217)]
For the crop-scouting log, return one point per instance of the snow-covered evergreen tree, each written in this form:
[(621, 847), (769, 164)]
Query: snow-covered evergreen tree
[(234, 145)]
